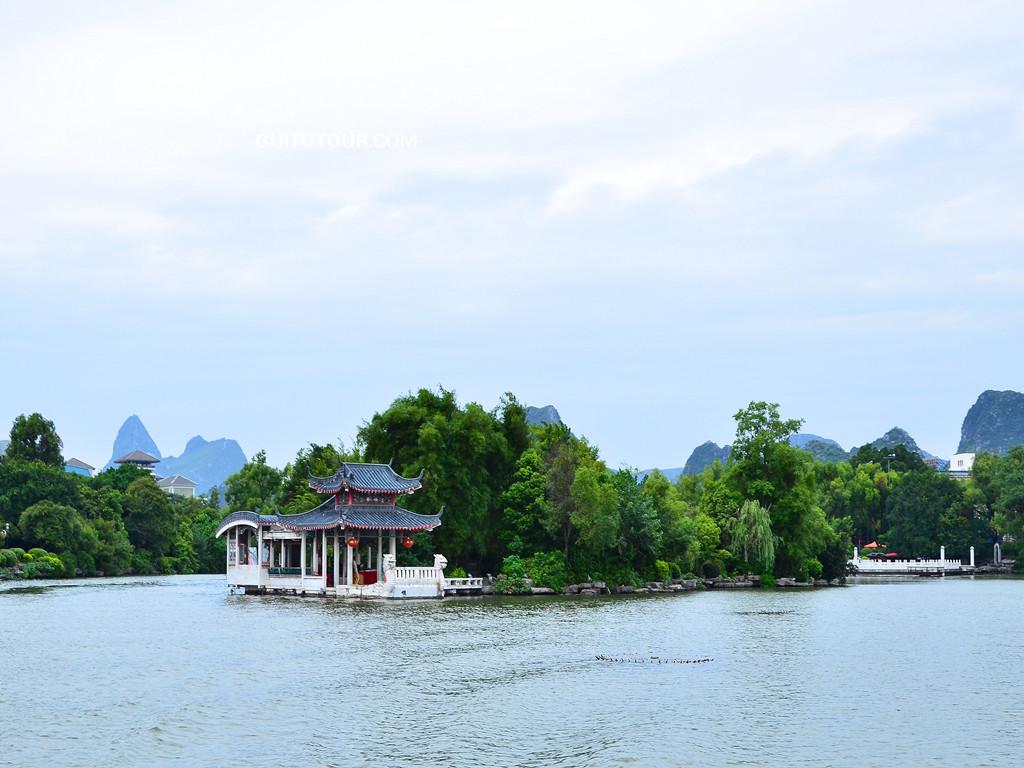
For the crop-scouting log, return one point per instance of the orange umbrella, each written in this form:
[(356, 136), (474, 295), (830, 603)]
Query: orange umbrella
[(872, 545)]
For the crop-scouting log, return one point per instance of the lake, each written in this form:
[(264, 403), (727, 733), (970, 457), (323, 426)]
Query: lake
[(175, 670)]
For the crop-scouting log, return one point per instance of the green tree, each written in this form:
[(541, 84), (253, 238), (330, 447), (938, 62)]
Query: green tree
[(595, 513), (1000, 480), (150, 517), (469, 461), (903, 459), (640, 532), (61, 529), (23, 483), (754, 539), (914, 512), (34, 438), (764, 467), (320, 460), (255, 487), (525, 507)]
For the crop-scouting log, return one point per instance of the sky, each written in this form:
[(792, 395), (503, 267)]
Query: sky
[(266, 221)]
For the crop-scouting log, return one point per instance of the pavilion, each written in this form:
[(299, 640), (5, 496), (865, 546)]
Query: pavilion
[(303, 553)]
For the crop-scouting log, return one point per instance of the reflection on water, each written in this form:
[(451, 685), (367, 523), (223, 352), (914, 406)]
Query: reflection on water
[(150, 671)]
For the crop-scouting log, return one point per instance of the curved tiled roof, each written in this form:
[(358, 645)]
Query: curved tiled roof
[(137, 457), (369, 478), (360, 516), (250, 518)]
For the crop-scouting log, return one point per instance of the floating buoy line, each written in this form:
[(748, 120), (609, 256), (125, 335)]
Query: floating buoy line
[(764, 613), (650, 660)]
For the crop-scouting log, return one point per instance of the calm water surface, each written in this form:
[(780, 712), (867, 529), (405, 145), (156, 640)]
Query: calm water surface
[(157, 671)]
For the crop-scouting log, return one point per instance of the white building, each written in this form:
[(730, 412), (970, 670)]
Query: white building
[(178, 485), (960, 465)]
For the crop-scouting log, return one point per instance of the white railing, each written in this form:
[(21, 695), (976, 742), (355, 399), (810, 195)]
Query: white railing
[(471, 582), (417, 574), (890, 566)]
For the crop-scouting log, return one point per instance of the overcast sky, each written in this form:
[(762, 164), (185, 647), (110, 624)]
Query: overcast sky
[(645, 214)]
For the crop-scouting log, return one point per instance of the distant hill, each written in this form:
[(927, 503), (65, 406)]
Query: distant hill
[(821, 448), (898, 436), (672, 473), (132, 436), (994, 423), (703, 456), (538, 417), (205, 462)]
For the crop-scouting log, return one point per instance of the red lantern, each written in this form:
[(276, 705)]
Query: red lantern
[(353, 541), (407, 542)]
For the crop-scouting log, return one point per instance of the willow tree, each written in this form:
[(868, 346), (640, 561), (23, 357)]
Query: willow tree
[(753, 536)]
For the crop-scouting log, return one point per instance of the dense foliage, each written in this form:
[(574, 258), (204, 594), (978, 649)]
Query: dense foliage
[(535, 504), (58, 523), (538, 505)]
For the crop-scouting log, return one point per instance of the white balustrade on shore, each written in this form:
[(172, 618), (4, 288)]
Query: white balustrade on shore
[(417, 575), (883, 566)]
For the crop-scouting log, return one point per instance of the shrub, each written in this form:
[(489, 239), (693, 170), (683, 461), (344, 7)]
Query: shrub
[(547, 569), (675, 570), (140, 564), (46, 567), (814, 568), (662, 571), (18, 552), (70, 564), (166, 565), (457, 573), (511, 580), (1018, 566), (37, 552), (767, 581), (8, 559), (711, 569)]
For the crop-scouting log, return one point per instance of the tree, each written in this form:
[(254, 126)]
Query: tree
[(468, 460), (903, 459), (767, 469), (640, 532), (1001, 481), (255, 487), (61, 529), (595, 513), (34, 438), (149, 517), (322, 460), (762, 470), (525, 507), (23, 483), (753, 537), (914, 511)]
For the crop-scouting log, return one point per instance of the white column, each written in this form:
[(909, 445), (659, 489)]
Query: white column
[(380, 551), (302, 555), (323, 555), (942, 557), (259, 555), (972, 557), (348, 561), (391, 544), (337, 562), (856, 555)]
